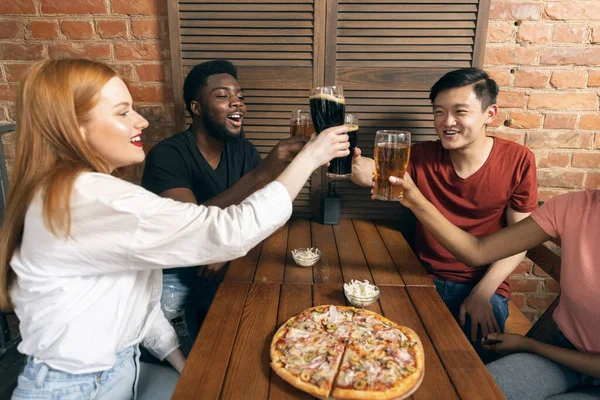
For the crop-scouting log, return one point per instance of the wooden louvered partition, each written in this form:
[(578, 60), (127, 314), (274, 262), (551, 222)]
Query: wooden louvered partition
[(385, 53)]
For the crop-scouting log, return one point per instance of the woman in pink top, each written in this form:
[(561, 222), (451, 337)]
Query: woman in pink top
[(568, 366)]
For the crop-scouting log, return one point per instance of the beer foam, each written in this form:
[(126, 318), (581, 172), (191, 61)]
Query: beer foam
[(325, 96), (352, 127)]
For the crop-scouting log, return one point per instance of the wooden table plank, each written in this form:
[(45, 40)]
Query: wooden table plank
[(244, 268), (381, 265), (299, 236), (327, 270), (249, 371), (468, 374), (293, 300), (412, 271), (215, 342), (272, 257), (328, 293), (397, 306), (352, 259)]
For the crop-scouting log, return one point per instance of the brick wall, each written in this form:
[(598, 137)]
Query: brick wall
[(544, 54), (130, 35)]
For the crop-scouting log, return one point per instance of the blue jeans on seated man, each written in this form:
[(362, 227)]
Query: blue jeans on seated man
[(184, 296), (454, 294), (127, 379)]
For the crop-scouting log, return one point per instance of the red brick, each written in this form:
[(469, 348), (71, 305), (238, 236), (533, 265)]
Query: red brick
[(537, 271), (540, 301), (501, 76), (594, 78), (551, 286), (161, 113), (524, 267), (518, 299), (73, 7), (524, 121), (112, 29), (555, 140), (524, 284), (513, 137), (592, 180), (21, 51), (562, 179), (569, 79), (513, 55), (151, 94), (596, 34), (534, 33), (501, 117), (515, 11), (531, 79), (569, 33), (11, 29), (125, 71), (14, 71), (43, 29), (17, 7), (571, 10), (145, 51), (589, 121), (140, 7), (560, 121), (512, 99), (8, 92), (500, 31), (586, 140), (570, 55), (553, 159), (78, 29), (94, 51), (557, 101), (152, 72), (146, 28), (597, 141), (586, 160), (12, 114)]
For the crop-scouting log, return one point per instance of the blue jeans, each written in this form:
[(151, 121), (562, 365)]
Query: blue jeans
[(530, 376), (454, 294), (184, 296), (127, 379)]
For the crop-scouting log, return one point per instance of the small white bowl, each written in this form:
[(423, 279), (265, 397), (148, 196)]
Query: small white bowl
[(306, 261), (362, 301)]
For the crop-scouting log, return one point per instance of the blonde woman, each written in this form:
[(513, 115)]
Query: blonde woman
[(82, 250)]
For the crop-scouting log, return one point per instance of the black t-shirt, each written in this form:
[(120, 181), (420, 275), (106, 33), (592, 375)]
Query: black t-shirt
[(176, 162)]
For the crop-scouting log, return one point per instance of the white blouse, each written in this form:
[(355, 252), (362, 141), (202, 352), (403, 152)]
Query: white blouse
[(82, 299)]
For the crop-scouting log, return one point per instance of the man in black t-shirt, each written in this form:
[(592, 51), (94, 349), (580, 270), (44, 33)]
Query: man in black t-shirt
[(211, 163)]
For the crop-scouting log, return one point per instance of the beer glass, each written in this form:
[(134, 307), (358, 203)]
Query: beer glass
[(341, 168), (301, 124), (392, 152), (327, 106)]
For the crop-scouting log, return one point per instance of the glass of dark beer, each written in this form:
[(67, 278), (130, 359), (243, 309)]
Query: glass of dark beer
[(301, 124), (392, 152), (341, 168), (327, 108)]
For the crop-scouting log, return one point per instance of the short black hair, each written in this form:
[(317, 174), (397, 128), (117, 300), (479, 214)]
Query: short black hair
[(198, 76), (485, 88)]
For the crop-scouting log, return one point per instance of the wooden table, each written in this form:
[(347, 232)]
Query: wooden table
[(230, 358)]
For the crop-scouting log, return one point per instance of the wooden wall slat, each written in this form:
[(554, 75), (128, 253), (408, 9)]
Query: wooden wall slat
[(420, 9), (408, 24), (234, 18), (239, 7), (189, 38)]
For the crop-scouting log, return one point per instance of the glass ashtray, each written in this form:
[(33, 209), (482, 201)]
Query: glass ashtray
[(306, 257)]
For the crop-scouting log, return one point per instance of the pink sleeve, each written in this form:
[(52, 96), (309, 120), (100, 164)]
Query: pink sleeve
[(545, 217), (560, 211)]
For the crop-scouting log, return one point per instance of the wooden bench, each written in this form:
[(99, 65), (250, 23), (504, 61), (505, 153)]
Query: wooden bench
[(517, 322)]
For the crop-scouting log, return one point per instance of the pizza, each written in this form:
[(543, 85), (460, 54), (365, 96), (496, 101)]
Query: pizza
[(348, 353)]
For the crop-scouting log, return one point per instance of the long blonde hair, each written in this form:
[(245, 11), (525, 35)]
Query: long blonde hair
[(53, 100)]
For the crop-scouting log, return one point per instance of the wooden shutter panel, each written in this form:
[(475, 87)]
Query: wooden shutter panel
[(273, 45), (388, 53)]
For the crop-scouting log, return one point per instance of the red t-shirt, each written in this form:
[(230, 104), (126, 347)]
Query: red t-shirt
[(476, 204)]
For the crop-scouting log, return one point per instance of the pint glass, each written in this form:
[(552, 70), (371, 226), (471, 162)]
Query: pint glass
[(341, 168), (392, 152), (301, 124)]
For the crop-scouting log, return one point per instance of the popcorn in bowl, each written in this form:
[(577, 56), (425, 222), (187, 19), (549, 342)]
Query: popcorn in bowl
[(306, 257), (361, 294)]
